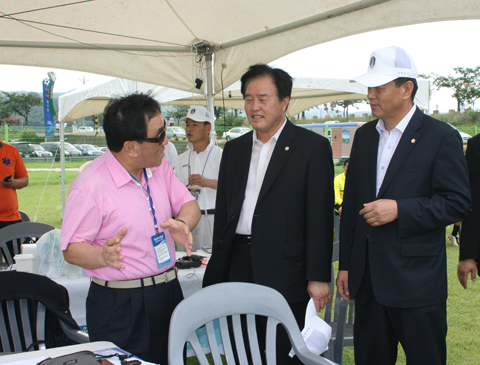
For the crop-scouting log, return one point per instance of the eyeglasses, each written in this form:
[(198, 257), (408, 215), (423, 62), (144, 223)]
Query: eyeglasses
[(158, 139)]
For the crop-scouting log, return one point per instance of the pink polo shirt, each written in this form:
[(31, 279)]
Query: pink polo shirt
[(104, 198)]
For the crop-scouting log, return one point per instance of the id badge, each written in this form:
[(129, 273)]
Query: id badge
[(161, 250), (195, 193)]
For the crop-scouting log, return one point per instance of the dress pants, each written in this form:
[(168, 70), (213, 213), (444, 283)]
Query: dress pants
[(378, 329), (136, 320), (241, 271)]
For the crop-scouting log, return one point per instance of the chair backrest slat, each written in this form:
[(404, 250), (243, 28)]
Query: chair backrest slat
[(197, 347), (6, 253), (271, 340), (27, 330), (227, 343), (3, 332), (212, 341), (12, 319), (239, 343), (253, 339), (41, 314)]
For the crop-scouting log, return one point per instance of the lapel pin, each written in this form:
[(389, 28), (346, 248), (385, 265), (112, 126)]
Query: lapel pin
[(287, 148), (413, 140)]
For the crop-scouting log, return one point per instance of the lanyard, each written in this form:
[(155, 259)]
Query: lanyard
[(189, 172), (150, 200)]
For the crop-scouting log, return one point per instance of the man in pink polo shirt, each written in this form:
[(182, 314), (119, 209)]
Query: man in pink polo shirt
[(118, 226)]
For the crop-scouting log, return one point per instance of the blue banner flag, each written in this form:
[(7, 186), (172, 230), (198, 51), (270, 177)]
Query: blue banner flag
[(47, 110)]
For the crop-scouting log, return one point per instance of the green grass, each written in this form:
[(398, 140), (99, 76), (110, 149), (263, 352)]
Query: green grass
[(43, 193), (463, 339)]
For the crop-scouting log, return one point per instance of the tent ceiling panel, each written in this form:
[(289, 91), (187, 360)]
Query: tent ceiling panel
[(151, 41)]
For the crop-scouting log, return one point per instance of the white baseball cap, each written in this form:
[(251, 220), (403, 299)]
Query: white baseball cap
[(198, 114), (387, 64)]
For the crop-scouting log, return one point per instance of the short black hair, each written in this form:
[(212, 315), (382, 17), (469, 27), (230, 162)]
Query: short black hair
[(401, 80), (345, 162), (282, 80), (125, 119)]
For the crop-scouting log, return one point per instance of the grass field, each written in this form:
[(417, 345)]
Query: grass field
[(463, 340)]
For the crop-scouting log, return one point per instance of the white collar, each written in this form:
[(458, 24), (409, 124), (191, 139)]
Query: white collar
[(210, 142), (400, 126), (276, 135)]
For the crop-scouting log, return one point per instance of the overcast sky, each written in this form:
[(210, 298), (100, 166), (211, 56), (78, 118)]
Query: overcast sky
[(435, 47)]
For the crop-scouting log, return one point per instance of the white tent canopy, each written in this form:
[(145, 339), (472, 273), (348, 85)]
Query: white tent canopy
[(307, 93), (92, 99), (171, 43)]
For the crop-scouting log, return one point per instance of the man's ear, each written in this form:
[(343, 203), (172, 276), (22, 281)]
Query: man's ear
[(285, 103), (130, 147), (408, 90)]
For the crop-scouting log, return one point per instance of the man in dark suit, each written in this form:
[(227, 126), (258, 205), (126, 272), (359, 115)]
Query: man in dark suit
[(406, 181), (273, 216), (470, 234)]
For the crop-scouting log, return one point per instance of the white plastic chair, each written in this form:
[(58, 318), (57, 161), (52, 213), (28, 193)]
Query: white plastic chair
[(24, 216), (233, 300), (26, 302), (20, 231)]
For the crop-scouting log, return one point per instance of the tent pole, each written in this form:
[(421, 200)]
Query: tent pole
[(209, 68), (210, 95), (62, 165)]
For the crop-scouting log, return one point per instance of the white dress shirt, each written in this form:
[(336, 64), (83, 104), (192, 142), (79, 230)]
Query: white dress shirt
[(261, 154), (205, 163), (387, 144)]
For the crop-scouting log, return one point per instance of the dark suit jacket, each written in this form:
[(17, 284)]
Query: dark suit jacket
[(427, 176), (470, 234), (292, 228)]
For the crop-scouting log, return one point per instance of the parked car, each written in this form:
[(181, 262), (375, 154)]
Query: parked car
[(89, 150), (40, 151), (88, 131), (54, 146), (235, 133), (175, 132), (103, 149), (465, 136), (31, 150)]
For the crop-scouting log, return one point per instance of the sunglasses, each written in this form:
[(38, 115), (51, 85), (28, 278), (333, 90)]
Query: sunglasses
[(158, 139)]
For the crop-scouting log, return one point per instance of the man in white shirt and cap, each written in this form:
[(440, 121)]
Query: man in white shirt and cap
[(197, 168)]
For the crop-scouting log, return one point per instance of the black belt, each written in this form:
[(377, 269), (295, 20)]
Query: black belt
[(209, 211), (243, 238)]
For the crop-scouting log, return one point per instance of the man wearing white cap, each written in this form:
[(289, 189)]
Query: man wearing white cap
[(407, 179), (197, 168)]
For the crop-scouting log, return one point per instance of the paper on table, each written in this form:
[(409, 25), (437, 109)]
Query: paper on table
[(28, 362), (115, 360), (316, 332)]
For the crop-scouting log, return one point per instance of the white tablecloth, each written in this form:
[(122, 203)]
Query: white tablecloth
[(190, 281)]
